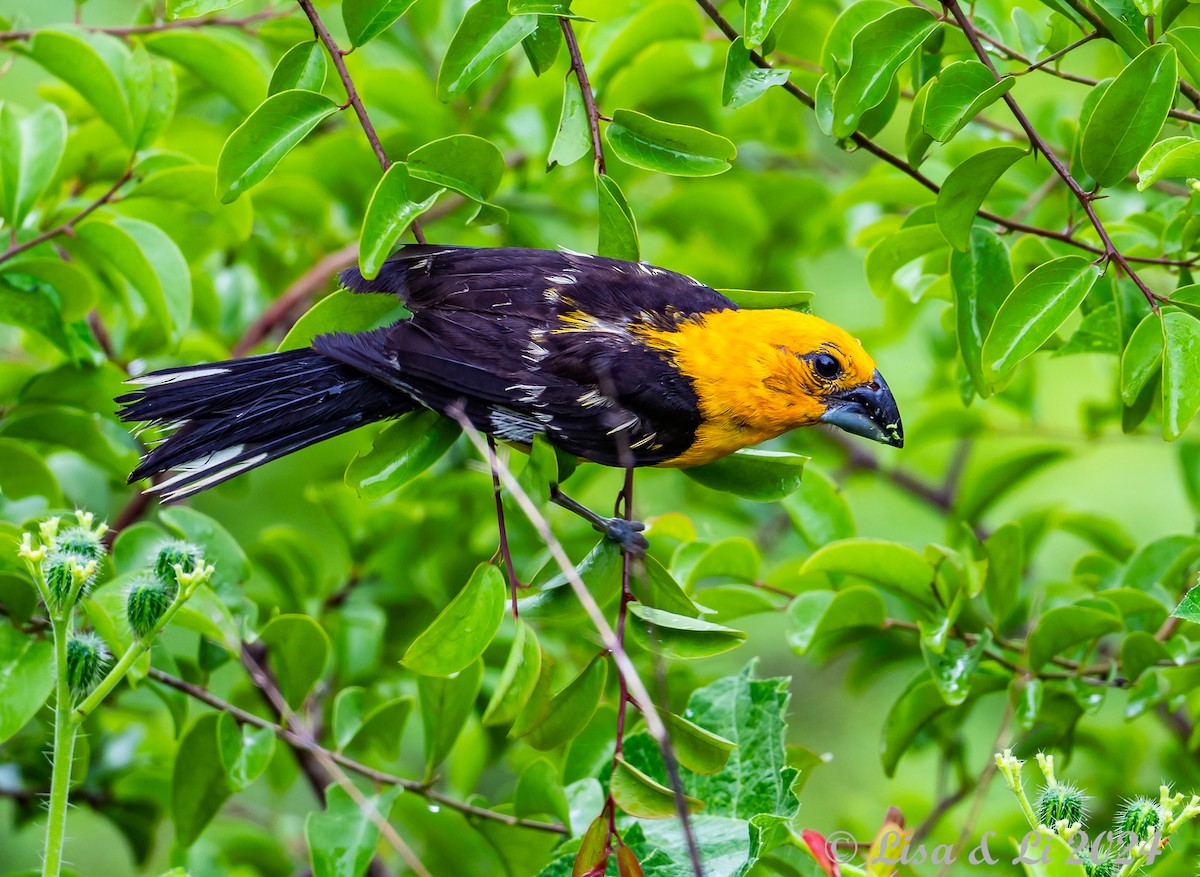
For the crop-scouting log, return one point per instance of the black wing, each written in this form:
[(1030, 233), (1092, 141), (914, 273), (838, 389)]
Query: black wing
[(488, 335)]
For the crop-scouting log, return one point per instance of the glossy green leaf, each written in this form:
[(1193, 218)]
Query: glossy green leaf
[(367, 19), (544, 45), (303, 66), (745, 82), (273, 130), (401, 452), (959, 94), (1140, 650), (1129, 116), (177, 9), (918, 705), (1142, 357), (697, 749), (1122, 19), (761, 476), (755, 299), (760, 17), (1006, 564), (953, 669), (654, 145), (680, 636), (879, 49), (567, 713), (1186, 41), (965, 189), (222, 63), (390, 212), (446, 703), (84, 62), (1170, 157), (897, 250), (487, 31), (298, 650), (466, 164), (642, 797), (31, 147), (199, 785), (343, 311), (916, 140), (814, 614), (517, 679), (342, 838), (572, 140), (35, 306), (1181, 372), (245, 751), (889, 565), (981, 278), (600, 572), (540, 792), (1034, 310), (462, 630), (593, 849), (1064, 627), (658, 588), (839, 41), (26, 677), (618, 228), (820, 511)]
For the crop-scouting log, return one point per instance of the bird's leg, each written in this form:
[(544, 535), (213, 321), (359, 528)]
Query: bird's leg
[(514, 584), (627, 534)]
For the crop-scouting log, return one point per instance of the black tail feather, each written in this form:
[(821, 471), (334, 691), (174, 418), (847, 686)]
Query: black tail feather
[(229, 417)]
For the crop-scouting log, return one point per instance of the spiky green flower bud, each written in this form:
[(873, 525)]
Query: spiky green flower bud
[(177, 553), (1102, 865), (1060, 803), (63, 571), (1140, 817), (148, 599), (81, 541), (87, 660)]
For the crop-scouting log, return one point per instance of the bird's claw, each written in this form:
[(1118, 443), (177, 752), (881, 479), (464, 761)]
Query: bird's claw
[(627, 534)]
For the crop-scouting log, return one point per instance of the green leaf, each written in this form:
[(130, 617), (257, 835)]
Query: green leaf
[(756, 299), (982, 490), (342, 838), (572, 140), (544, 45), (640, 796), (1186, 41), (697, 749), (1129, 116), (618, 228), (1006, 564), (84, 62), (298, 650), (177, 9), (657, 588), (273, 130), (918, 705), (879, 49), (916, 141), (390, 212), (745, 82), (31, 148), (814, 614), (26, 677), (464, 163), (222, 63), (1188, 609), (199, 785), (556, 602), (680, 636), (965, 189), (1142, 358), (981, 279), (563, 717), (540, 792), (1122, 19), (897, 250), (343, 311), (446, 704), (1065, 627), (216, 545), (517, 679), (303, 66), (461, 631), (654, 145), (36, 306), (487, 32), (958, 95), (1181, 372), (953, 669), (760, 17), (761, 476), (245, 751), (347, 715), (401, 452), (1172, 157), (1140, 650), (367, 19), (891, 566), (820, 511), (1034, 310)]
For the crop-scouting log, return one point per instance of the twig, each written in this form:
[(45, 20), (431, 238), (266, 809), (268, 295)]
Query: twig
[(69, 226), (1049, 59), (159, 26), (1111, 253), (339, 62), (382, 778), (900, 164), (585, 89)]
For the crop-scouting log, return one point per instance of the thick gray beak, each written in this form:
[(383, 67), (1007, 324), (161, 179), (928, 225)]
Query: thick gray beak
[(868, 410)]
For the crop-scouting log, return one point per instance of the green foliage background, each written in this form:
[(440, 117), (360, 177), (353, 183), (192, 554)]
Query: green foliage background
[(1091, 513)]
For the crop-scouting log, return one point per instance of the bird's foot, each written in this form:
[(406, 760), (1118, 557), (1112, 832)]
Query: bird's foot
[(627, 534)]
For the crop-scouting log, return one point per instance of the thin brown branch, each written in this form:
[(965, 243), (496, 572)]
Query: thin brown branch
[(377, 776), (585, 89), (159, 26), (68, 227), (339, 62), (1054, 56), (1111, 253)]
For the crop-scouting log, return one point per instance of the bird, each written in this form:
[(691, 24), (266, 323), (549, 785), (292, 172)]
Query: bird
[(616, 362)]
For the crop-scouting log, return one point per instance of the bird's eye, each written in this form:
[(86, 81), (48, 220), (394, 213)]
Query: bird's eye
[(826, 366)]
